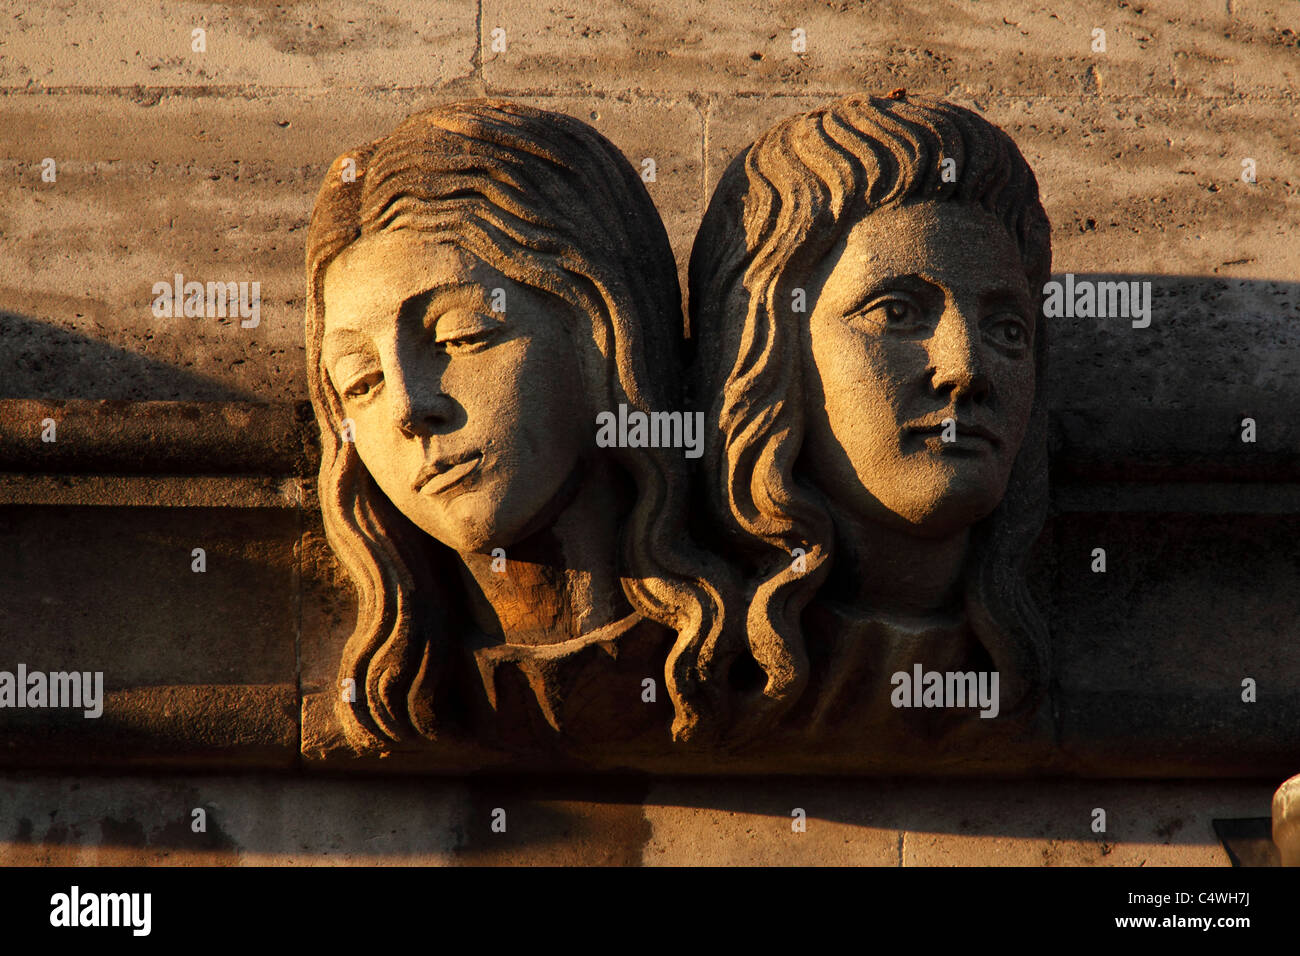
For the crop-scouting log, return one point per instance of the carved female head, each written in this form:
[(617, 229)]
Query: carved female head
[(864, 294), (464, 414), (481, 283)]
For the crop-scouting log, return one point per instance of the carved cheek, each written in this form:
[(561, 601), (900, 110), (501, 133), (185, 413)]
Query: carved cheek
[(895, 366), (382, 448), (1024, 385), (487, 379), (1013, 388)]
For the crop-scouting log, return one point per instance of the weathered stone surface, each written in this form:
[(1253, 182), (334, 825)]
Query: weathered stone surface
[(259, 820), (1152, 184), (1116, 474), (116, 44), (864, 297), (198, 668), (483, 282), (1190, 701), (159, 438), (220, 198), (224, 196), (976, 824), (1157, 48), (1166, 637), (1147, 824), (445, 433), (172, 161), (1286, 821), (668, 130)]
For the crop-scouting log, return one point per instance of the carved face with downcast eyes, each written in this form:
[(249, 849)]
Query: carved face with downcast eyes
[(924, 315), (470, 418)]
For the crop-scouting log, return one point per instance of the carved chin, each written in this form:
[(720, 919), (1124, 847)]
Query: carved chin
[(469, 523), (940, 501), (959, 506), (469, 537)]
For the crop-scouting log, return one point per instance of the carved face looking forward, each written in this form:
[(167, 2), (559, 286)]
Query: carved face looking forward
[(828, 424), (924, 315), (458, 410)]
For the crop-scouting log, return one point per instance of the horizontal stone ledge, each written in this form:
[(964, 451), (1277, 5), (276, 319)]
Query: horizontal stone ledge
[(151, 491), (1257, 498), (194, 726), (264, 819), (116, 437)]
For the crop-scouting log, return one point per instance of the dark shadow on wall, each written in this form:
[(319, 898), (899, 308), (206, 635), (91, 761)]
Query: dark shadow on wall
[(38, 359), (113, 589), (618, 819), (1199, 341)]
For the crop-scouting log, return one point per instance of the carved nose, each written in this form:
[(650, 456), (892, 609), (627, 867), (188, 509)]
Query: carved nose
[(956, 361), (418, 408)]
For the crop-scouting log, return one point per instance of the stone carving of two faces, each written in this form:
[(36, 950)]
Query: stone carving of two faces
[(866, 349)]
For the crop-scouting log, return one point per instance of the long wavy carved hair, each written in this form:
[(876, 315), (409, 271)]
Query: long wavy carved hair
[(549, 202), (779, 210)]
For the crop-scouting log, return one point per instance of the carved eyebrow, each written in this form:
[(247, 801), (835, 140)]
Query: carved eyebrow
[(340, 342), (920, 285), (1006, 289), (909, 282), (1004, 294), (377, 310), (444, 298)]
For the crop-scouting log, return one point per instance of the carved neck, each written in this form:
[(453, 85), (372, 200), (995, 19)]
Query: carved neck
[(562, 581), (895, 572)]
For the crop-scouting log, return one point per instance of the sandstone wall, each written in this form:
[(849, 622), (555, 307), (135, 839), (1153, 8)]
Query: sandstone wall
[(206, 164)]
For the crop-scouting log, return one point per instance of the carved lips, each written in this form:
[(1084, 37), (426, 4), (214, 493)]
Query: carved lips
[(963, 431), (443, 473)]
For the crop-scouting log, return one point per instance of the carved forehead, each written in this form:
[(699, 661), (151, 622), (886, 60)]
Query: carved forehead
[(945, 239), (372, 278)]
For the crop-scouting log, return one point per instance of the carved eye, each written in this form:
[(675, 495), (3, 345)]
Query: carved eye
[(364, 387), (463, 331), (893, 312), (1008, 330)]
